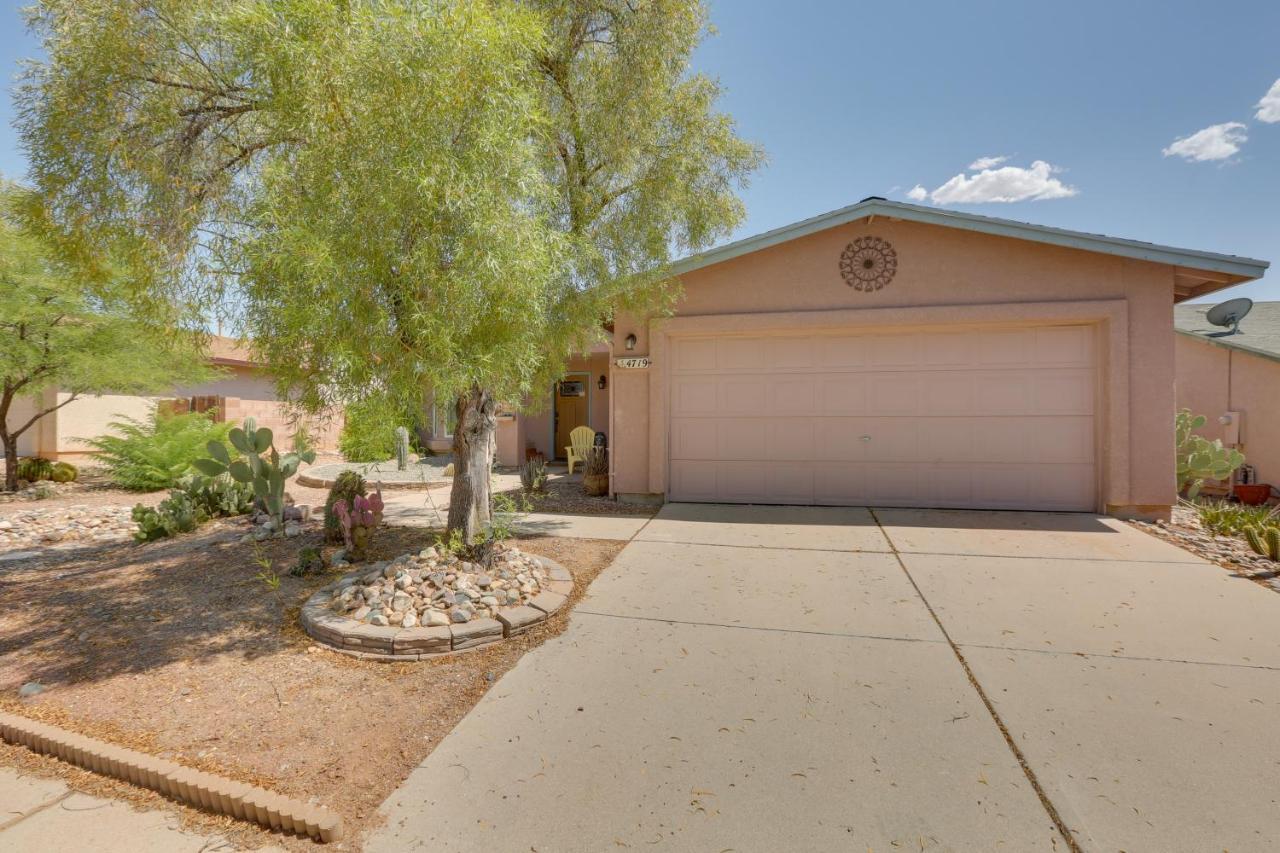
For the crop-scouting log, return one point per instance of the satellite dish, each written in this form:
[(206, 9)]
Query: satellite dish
[(1228, 313)]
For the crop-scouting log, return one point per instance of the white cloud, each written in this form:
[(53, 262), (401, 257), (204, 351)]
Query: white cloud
[(986, 163), (917, 193), (1269, 106), (1006, 184), (1215, 142)]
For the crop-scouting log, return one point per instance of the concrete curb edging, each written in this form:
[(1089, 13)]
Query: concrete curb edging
[(372, 642), (193, 787)]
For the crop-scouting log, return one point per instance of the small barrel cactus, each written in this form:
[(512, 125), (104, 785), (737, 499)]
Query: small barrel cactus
[(1264, 541), (63, 472), (35, 468)]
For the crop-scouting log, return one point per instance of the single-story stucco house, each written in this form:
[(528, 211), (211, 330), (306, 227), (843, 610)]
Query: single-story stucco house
[(243, 389), (1234, 380), (898, 355)]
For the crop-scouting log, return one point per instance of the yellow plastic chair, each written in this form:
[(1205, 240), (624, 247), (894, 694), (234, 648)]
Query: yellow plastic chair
[(580, 441)]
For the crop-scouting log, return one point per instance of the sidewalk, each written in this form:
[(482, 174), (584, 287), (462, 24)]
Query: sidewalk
[(44, 814)]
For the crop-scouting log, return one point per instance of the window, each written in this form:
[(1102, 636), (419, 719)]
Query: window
[(443, 419)]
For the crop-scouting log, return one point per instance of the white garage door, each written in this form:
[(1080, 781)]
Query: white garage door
[(972, 418)]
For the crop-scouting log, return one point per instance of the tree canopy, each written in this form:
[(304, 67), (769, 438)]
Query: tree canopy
[(57, 333), (452, 195)]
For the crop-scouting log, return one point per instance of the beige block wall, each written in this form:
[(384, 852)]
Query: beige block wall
[(1213, 379), (938, 266)]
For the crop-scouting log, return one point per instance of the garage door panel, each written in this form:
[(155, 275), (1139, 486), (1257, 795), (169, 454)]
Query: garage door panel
[(840, 439), (694, 396), (843, 395), (1065, 392), (961, 418), (794, 395), (694, 438)]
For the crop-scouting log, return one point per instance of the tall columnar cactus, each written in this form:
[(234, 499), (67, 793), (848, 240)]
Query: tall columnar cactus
[(402, 448), (1197, 458), (261, 465), (1265, 541), (358, 522)]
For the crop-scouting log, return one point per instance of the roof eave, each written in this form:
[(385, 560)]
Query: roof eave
[(1237, 269)]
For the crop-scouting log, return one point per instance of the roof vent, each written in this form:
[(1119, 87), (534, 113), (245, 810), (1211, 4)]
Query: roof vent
[(1228, 313)]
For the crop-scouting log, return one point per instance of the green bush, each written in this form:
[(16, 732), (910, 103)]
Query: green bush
[(63, 472), (369, 431), (156, 453), (33, 469)]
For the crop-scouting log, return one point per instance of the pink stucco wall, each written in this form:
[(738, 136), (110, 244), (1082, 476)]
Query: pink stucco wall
[(1213, 379), (533, 425), (945, 276)]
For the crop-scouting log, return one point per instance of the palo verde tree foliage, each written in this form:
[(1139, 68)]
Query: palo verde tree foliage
[(55, 333), (405, 196)]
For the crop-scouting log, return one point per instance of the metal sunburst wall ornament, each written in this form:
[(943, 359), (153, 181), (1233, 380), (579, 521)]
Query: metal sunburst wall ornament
[(868, 263)]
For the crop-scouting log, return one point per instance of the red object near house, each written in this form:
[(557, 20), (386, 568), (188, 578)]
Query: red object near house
[(1253, 494)]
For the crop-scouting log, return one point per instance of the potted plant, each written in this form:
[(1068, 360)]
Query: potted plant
[(1252, 494), (595, 473)]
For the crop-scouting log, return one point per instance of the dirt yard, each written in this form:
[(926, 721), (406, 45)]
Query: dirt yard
[(183, 649)]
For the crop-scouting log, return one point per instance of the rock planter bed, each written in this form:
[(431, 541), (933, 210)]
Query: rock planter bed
[(1230, 552), (416, 607)]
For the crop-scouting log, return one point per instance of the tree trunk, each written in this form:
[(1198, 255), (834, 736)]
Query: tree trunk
[(474, 441), (10, 461)]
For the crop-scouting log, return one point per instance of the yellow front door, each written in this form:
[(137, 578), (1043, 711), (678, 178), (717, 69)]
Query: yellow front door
[(570, 410)]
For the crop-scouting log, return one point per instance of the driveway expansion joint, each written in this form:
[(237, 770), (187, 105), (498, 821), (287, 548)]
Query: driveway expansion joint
[(804, 631), (1107, 656), (35, 810), (1030, 775)]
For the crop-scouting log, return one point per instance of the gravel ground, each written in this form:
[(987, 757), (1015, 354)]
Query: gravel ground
[(1230, 552), (180, 649)]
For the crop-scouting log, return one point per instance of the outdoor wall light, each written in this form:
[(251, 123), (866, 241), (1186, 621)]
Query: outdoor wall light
[(631, 342), (603, 383)]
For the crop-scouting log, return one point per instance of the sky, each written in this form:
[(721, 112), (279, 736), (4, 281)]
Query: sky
[(1154, 121)]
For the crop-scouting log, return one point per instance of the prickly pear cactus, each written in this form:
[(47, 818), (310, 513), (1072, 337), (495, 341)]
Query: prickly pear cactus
[(1197, 458), (260, 465)]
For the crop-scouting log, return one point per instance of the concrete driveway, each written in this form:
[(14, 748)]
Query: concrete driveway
[(770, 678)]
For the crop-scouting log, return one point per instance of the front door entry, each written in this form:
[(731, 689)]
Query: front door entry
[(570, 409)]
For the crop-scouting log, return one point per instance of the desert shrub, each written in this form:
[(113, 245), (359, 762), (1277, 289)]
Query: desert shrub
[(310, 562), (63, 472), (1225, 518), (533, 475), (347, 487), (156, 453), (34, 469), (369, 431), (303, 441)]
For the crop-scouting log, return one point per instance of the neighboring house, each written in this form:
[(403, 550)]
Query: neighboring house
[(1219, 374), (243, 390), (898, 355)]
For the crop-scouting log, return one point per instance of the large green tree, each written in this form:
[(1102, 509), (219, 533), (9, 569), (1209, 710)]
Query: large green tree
[(57, 333), (403, 195)]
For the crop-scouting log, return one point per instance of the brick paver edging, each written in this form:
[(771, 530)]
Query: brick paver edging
[(386, 643), (194, 787)]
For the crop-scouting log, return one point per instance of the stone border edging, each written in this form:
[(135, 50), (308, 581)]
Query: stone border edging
[(374, 642), (194, 787), (418, 485)]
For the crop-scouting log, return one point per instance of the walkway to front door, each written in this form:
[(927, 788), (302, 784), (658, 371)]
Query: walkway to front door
[(763, 678)]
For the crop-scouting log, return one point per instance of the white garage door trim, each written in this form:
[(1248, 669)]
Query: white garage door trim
[(1002, 418)]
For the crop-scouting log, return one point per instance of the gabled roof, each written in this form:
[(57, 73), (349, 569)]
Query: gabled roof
[(1259, 331), (1197, 272)]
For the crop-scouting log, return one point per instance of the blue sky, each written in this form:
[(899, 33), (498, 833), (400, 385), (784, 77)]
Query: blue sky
[(856, 99)]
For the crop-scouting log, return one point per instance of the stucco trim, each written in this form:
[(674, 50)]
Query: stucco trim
[(1110, 316), (1246, 269)]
